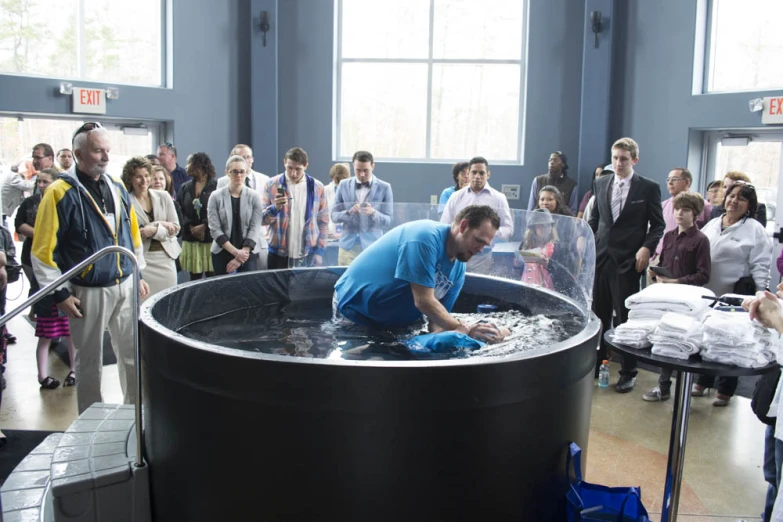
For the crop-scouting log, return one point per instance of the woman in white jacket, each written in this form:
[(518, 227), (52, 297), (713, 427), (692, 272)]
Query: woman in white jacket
[(739, 247), (158, 223)]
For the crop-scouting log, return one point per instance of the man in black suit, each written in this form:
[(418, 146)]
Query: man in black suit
[(626, 204)]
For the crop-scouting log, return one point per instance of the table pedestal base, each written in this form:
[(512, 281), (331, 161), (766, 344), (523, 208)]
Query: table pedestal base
[(674, 467)]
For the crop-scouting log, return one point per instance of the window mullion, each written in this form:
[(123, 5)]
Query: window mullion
[(81, 40), (427, 152)]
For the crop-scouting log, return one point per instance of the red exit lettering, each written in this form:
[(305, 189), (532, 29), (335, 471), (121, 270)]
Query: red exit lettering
[(91, 97), (775, 106)]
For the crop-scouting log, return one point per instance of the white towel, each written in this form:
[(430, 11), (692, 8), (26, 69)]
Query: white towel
[(671, 297), (667, 350)]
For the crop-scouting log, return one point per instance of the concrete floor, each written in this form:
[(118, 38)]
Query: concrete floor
[(628, 438)]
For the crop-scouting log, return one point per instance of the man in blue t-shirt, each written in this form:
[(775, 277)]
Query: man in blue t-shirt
[(417, 269)]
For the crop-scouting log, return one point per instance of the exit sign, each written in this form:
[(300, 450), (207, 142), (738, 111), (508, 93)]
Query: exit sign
[(89, 101), (773, 110)]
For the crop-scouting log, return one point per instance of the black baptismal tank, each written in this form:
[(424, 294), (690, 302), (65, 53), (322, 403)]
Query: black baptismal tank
[(239, 433)]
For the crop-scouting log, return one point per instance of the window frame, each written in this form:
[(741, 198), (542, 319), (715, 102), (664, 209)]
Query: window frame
[(165, 79), (430, 61), (709, 55)]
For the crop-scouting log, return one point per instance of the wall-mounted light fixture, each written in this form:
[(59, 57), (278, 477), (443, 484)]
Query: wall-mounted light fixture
[(66, 88), (597, 26), (756, 105), (112, 93), (265, 27)]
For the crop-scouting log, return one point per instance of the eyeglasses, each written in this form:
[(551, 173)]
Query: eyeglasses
[(87, 127), (674, 180), (39, 157), (237, 172)]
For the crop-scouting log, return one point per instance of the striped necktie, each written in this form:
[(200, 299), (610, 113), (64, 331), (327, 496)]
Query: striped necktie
[(617, 199)]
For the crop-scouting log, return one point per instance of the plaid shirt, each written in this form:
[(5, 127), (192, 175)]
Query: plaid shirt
[(316, 217)]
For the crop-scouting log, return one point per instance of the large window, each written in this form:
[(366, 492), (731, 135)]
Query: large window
[(745, 45), (18, 135), (430, 80), (113, 42)]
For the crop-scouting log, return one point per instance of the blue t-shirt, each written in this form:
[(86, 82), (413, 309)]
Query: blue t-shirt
[(375, 289)]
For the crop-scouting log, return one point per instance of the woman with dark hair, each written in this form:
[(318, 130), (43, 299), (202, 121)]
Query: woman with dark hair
[(550, 198), (193, 199), (459, 173), (51, 323), (741, 253), (158, 222)]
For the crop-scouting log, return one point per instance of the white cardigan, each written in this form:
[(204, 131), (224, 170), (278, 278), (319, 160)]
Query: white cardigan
[(743, 249)]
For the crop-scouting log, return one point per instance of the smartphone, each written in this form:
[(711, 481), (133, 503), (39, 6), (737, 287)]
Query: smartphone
[(280, 191), (365, 205), (662, 271)]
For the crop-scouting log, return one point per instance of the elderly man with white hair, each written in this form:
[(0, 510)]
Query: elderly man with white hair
[(79, 215)]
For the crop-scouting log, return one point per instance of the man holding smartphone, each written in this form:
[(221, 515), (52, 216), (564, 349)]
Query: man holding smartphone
[(295, 210), (684, 259), (363, 204)]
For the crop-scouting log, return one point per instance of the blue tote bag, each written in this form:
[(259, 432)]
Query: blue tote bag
[(595, 503)]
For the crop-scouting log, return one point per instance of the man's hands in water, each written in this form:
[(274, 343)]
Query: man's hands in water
[(488, 332)]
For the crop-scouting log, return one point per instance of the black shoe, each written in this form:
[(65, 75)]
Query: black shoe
[(625, 384), (10, 339)]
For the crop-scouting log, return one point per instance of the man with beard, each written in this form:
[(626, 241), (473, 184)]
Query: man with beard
[(417, 269)]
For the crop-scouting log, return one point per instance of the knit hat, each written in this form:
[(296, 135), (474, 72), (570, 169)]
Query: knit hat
[(563, 158), (540, 216)]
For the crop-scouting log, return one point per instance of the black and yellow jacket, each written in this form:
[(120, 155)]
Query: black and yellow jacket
[(70, 227)]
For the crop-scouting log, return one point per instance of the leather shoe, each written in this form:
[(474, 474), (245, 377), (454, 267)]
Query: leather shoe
[(625, 384)]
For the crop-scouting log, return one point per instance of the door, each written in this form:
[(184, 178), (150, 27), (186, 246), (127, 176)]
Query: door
[(759, 154)]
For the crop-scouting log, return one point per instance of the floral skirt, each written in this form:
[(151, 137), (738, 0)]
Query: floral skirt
[(196, 257)]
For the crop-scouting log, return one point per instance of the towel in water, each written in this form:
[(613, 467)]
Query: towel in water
[(686, 299), (442, 342)]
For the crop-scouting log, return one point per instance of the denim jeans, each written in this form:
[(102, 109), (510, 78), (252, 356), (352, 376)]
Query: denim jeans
[(773, 459)]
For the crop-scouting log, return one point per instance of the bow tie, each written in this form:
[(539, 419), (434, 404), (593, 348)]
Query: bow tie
[(363, 185)]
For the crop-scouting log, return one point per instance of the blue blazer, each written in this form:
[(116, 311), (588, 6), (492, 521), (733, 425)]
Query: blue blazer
[(356, 227)]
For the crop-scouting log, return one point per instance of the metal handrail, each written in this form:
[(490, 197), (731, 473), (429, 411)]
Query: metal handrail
[(43, 292)]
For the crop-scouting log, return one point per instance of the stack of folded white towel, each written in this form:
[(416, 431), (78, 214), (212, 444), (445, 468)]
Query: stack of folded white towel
[(731, 338), (677, 335), (646, 308)]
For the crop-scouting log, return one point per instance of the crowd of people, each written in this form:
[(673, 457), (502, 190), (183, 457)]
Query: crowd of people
[(179, 219)]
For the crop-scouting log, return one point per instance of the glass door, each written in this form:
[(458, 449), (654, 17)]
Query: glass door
[(18, 135), (759, 154)]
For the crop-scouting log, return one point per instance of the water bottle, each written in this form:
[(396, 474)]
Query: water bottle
[(603, 375)]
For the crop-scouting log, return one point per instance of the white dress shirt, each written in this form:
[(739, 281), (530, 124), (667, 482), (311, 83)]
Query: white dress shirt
[(626, 188), (487, 196), (296, 220)]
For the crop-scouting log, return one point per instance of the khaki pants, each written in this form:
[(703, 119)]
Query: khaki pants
[(103, 307), (346, 257)]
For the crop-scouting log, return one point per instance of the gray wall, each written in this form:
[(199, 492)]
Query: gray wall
[(654, 103), (208, 103), (305, 87)]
